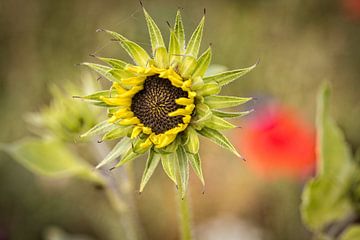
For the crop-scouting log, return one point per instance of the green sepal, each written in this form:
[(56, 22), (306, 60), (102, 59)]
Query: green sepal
[(208, 89), (119, 149), (218, 123), (151, 163), (203, 113), (120, 131), (168, 163), (197, 83), (156, 38), (99, 128), (98, 95), (161, 57), (182, 170), (193, 46), (219, 139), (179, 31), (191, 143), (195, 162), (222, 114), (218, 101), (174, 50), (229, 76), (115, 63), (105, 71), (187, 67), (137, 53), (202, 63)]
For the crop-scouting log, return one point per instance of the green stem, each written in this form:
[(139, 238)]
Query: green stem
[(185, 217)]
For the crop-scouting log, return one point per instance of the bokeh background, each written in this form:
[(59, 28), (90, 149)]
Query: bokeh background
[(299, 43)]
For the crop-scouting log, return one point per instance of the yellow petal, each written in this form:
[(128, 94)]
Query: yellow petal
[(132, 91), (181, 127), (186, 119), (181, 111), (135, 69), (130, 121), (191, 94), (184, 101), (146, 144), (136, 131), (116, 101), (119, 88), (147, 130), (166, 140), (133, 81)]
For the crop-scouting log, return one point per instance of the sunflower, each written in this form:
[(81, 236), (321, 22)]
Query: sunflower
[(161, 103)]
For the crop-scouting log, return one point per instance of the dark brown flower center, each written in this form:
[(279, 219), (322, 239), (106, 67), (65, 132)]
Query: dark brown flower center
[(153, 104)]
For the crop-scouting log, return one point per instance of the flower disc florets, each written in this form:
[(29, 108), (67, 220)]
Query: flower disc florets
[(152, 101)]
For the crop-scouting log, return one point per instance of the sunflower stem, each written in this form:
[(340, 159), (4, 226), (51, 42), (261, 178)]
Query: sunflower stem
[(184, 215)]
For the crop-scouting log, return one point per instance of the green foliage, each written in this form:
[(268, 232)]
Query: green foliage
[(50, 158), (353, 233), (326, 198)]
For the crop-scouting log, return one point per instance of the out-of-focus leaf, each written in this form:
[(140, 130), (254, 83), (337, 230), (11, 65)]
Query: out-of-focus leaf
[(352, 233), (55, 233), (326, 197), (151, 164), (50, 158)]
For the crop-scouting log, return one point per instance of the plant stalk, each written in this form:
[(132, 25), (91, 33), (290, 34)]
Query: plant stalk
[(185, 216)]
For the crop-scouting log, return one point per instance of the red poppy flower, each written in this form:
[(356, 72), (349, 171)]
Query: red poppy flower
[(277, 143), (352, 8)]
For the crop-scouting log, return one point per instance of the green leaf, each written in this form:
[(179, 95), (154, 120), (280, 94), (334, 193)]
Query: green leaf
[(335, 172), (195, 162), (137, 53), (230, 114), (193, 46), (119, 149), (99, 128), (219, 139), (151, 164), (218, 123), (50, 158), (352, 233), (218, 101), (191, 141), (104, 71), (118, 132), (182, 170), (156, 38), (202, 63), (179, 31), (168, 163), (227, 77)]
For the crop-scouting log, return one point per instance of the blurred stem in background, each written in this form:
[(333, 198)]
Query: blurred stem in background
[(120, 189)]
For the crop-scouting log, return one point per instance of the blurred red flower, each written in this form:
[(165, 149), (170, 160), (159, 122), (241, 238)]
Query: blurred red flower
[(352, 8), (276, 142)]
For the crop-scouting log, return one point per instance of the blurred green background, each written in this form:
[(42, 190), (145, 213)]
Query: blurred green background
[(299, 44)]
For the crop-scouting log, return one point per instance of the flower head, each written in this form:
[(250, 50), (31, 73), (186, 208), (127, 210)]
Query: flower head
[(161, 103)]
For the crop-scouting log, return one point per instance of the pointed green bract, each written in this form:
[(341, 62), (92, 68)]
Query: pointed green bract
[(217, 101), (128, 156), (230, 114), (195, 162), (120, 148), (192, 141), (227, 77), (98, 95), (193, 46), (218, 123), (156, 38), (99, 128), (203, 112), (182, 168), (103, 71), (202, 63), (187, 66), (168, 162), (174, 50), (150, 166), (219, 139), (208, 89), (113, 62), (118, 132), (179, 31), (137, 53)]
